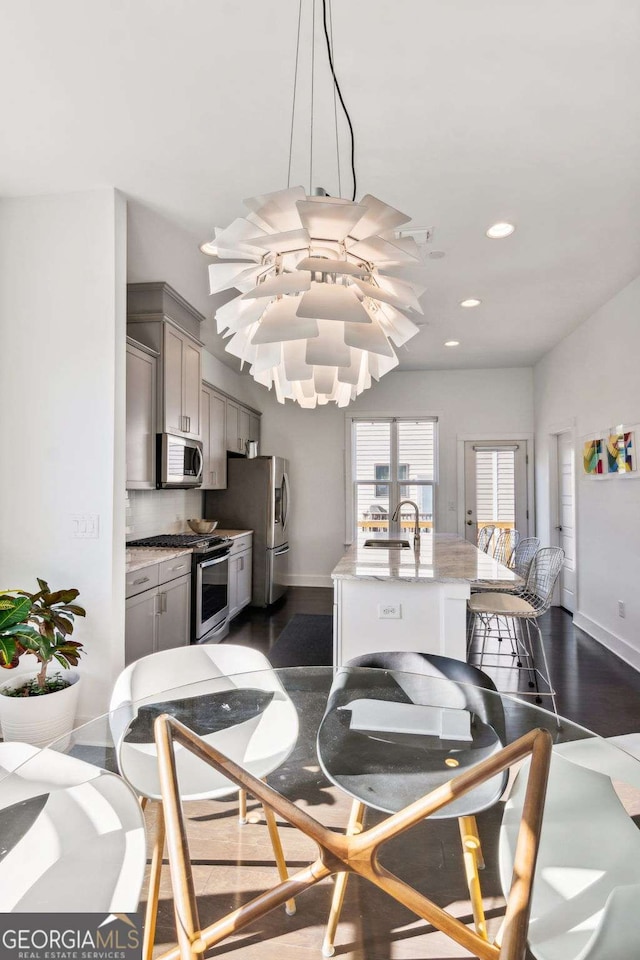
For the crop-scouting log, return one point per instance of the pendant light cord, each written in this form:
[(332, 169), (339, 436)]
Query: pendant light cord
[(340, 97), (295, 88), (335, 108)]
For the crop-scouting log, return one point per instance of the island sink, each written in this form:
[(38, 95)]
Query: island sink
[(387, 544)]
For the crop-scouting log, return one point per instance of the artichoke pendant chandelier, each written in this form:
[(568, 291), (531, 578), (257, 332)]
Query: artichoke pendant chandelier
[(326, 286)]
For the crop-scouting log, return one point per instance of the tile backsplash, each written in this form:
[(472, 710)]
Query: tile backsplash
[(150, 512)]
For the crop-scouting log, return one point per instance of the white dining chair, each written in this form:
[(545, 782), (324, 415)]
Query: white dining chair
[(72, 835), (229, 695), (586, 889)]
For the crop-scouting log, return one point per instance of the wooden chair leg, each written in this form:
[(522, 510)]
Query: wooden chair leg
[(276, 843), (151, 913), (242, 806), (470, 848), (354, 826)]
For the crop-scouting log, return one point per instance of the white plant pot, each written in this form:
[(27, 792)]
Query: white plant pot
[(39, 720)]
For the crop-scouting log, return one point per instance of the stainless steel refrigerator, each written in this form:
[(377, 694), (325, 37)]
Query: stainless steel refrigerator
[(257, 498)]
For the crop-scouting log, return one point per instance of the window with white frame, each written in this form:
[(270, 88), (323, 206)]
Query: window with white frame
[(392, 459)]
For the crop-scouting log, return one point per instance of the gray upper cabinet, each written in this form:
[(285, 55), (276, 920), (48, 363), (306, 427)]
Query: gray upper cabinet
[(182, 373), (161, 319), (214, 440), (141, 416), (242, 424)]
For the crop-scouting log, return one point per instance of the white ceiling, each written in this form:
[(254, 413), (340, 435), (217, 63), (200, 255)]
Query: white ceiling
[(465, 113)]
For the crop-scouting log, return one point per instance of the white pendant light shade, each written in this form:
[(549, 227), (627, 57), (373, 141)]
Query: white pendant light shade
[(323, 294), (370, 337), (329, 219), (277, 211), (405, 292), (228, 274), (238, 314), (291, 240), (285, 283), (328, 349), (330, 301), (279, 323), (378, 293), (295, 361), (378, 218), (331, 265)]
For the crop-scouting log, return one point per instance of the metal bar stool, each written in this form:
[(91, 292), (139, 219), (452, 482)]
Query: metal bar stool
[(524, 609)]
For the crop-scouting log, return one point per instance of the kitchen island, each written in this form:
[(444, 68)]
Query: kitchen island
[(407, 599)]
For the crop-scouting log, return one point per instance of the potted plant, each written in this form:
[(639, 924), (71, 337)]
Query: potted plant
[(39, 706)]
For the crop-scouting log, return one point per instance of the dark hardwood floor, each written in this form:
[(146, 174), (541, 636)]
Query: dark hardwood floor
[(594, 687), (259, 628)]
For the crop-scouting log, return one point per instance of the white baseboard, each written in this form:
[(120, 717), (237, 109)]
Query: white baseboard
[(609, 640), (309, 580)]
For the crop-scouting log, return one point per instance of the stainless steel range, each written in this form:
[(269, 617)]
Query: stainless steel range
[(209, 581)]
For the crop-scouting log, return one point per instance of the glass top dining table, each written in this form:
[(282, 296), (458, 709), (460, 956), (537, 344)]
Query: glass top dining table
[(383, 738)]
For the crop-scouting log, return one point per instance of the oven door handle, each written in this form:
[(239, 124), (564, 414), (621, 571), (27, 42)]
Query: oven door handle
[(211, 563)]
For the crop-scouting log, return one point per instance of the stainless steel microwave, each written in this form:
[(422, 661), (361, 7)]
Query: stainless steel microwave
[(179, 462)]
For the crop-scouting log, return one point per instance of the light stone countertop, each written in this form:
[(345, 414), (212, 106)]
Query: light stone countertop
[(443, 558), (139, 557)]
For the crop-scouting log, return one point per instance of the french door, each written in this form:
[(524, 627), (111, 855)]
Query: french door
[(495, 486)]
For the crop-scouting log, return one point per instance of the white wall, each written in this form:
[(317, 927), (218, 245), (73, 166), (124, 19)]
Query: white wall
[(62, 318), (590, 382), (467, 402)]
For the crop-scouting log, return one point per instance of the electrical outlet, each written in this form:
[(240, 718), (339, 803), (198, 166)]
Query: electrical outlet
[(389, 611), (621, 609)]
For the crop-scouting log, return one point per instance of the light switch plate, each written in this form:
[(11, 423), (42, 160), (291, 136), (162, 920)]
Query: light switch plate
[(85, 526)]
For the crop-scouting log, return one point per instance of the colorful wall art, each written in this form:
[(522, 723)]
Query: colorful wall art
[(621, 453), (592, 458)]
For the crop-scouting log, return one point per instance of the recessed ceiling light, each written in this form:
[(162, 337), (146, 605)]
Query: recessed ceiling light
[(452, 343), (471, 302), (500, 230)]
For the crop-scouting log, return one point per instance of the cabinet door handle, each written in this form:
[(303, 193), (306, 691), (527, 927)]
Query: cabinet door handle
[(188, 424), (179, 566), (140, 580), (163, 602)]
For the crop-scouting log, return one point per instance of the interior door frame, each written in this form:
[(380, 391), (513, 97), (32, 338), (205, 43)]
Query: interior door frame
[(552, 489), (498, 437)]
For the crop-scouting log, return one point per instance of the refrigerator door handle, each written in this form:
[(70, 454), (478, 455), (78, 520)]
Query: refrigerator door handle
[(281, 550), (285, 500)]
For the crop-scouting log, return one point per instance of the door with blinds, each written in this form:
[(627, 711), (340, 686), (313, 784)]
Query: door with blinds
[(495, 487)]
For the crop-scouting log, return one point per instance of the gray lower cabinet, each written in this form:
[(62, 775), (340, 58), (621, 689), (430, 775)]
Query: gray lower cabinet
[(240, 580), (158, 618)]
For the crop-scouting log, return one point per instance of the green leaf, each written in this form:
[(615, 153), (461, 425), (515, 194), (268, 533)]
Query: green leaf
[(21, 630), (44, 586), (19, 613), (74, 609), (7, 651), (64, 626)]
